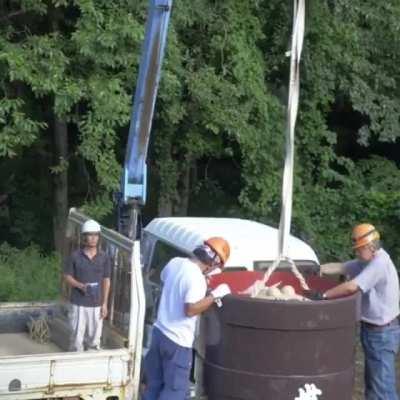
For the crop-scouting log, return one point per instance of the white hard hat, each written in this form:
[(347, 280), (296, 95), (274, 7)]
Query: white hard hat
[(91, 226)]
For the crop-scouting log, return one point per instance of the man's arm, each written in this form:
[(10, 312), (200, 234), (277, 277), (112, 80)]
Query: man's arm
[(72, 282), (106, 283), (335, 268), (192, 309), (105, 293), (344, 289), (69, 272), (198, 307)]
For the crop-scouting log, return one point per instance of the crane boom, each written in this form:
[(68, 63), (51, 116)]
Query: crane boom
[(133, 183)]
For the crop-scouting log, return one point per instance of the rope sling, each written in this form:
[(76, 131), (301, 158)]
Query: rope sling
[(287, 184)]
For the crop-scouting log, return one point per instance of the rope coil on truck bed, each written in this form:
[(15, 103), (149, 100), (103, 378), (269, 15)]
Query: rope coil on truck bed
[(39, 329)]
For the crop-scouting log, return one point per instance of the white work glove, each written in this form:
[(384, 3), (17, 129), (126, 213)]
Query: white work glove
[(220, 291)]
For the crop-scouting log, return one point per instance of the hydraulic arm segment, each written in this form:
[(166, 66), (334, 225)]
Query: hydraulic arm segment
[(132, 196)]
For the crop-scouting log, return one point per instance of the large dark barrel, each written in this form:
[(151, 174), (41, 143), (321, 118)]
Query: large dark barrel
[(258, 349)]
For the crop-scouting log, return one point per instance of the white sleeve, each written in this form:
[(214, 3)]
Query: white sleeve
[(370, 276), (195, 289), (164, 272)]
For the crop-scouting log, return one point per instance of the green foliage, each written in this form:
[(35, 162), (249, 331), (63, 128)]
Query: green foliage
[(217, 106), (349, 70), (218, 133), (13, 119), (28, 275), (370, 193), (74, 61)]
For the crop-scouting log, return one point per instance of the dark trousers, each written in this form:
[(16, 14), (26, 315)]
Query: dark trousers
[(380, 348), (167, 369)]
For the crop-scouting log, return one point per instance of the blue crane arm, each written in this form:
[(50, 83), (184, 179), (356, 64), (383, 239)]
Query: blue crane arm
[(133, 185)]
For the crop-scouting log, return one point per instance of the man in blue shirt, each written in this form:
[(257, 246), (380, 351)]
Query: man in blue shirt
[(374, 275), (87, 271)]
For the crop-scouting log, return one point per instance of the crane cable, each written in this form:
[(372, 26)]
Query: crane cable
[(292, 108)]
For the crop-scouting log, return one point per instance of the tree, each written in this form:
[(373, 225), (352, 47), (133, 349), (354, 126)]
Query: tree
[(215, 105), (348, 108), (68, 71), (66, 82)]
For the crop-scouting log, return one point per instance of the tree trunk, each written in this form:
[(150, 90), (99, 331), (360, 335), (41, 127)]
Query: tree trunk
[(164, 206), (60, 184), (178, 205), (182, 205)]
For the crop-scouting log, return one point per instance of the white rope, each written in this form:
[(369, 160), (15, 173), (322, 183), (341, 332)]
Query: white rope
[(293, 103), (287, 185)]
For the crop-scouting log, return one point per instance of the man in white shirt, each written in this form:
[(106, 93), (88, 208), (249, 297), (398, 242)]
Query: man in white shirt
[(168, 362)]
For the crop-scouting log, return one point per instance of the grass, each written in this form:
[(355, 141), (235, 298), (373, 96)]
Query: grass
[(28, 274)]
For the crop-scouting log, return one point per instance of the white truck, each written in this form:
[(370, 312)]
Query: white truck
[(31, 370)]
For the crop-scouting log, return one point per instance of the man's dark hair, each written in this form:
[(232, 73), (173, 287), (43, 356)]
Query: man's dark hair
[(207, 255)]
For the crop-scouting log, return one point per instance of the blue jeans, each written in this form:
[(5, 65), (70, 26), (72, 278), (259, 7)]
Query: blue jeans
[(380, 349), (167, 369)]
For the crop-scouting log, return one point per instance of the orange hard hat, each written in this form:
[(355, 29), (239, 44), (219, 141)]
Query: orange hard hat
[(220, 246), (364, 234)]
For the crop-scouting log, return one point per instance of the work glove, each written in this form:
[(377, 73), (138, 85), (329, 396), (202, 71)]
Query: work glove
[(220, 291), (314, 295)]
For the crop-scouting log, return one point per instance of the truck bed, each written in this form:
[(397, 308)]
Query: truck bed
[(13, 344), (14, 330), (32, 370)]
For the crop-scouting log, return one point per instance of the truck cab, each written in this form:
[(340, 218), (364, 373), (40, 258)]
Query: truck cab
[(254, 246)]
